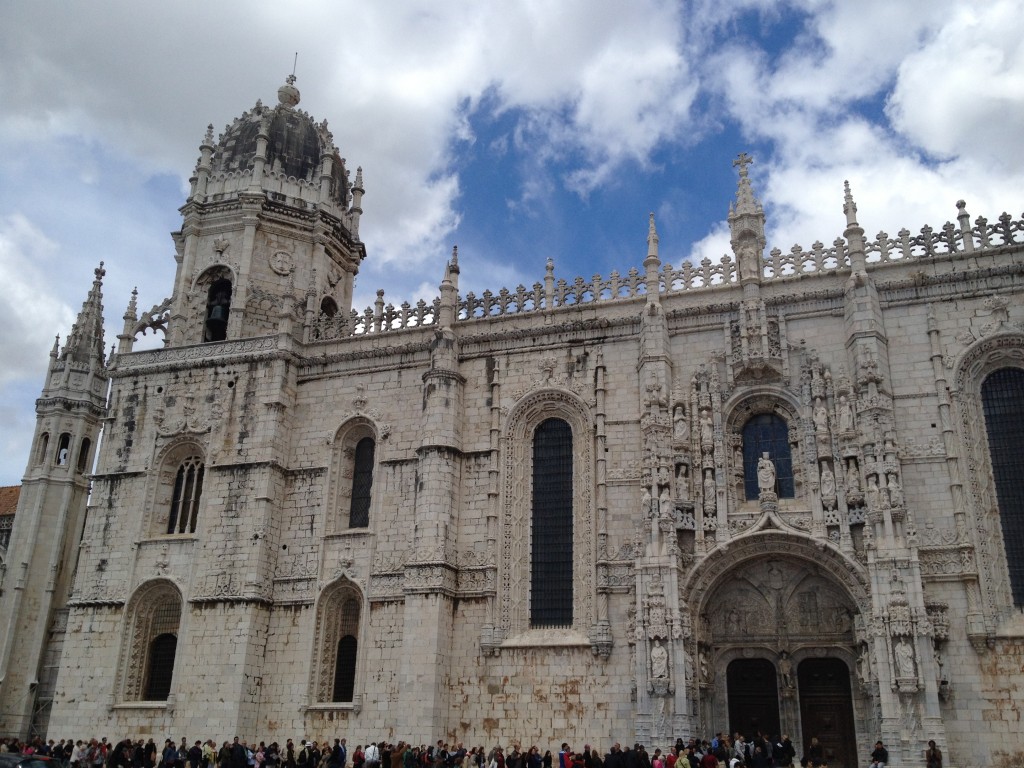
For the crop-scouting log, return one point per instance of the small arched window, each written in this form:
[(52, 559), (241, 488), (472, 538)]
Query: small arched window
[(347, 652), (328, 306), (1002, 398), (63, 454), (551, 598), (362, 484), (767, 433), (218, 309), (44, 444), (188, 490), (83, 454), (337, 644)]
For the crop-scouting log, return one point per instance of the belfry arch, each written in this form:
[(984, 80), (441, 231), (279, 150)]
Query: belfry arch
[(778, 630)]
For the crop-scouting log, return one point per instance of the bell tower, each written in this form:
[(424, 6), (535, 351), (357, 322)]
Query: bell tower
[(42, 557), (271, 215)]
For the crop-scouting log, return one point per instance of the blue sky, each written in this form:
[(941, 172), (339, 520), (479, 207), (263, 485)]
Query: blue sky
[(519, 131)]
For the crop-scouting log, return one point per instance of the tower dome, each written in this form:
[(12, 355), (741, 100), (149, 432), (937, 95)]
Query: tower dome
[(296, 144)]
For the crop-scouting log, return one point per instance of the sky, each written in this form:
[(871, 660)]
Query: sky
[(519, 130)]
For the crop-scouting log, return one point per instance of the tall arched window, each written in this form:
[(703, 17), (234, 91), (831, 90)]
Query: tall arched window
[(150, 642), (44, 443), (362, 484), (83, 454), (63, 454), (767, 433), (188, 489), (345, 658), (552, 531), (1002, 397), (337, 644)]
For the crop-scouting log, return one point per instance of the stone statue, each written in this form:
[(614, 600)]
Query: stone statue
[(852, 476), (904, 653), (872, 492), (680, 426), (659, 660), (820, 418), (895, 491), (845, 415), (828, 482), (664, 504), (786, 670), (646, 504), (864, 667), (710, 500), (705, 667), (707, 431), (765, 474)]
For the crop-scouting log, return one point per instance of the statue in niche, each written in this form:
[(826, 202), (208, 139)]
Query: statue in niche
[(820, 417), (872, 492), (659, 660), (786, 670), (852, 476), (646, 503), (680, 426), (682, 482), (845, 415), (664, 505), (904, 653), (828, 482), (895, 491), (765, 474), (864, 666), (710, 502), (707, 431), (706, 673)]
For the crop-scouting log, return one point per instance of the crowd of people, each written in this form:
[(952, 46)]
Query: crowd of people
[(718, 752)]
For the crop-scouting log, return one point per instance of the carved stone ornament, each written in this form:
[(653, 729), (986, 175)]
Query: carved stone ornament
[(282, 263)]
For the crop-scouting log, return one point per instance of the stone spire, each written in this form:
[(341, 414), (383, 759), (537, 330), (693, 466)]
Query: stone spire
[(85, 344), (854, 235), (746, 225), (652, 263)]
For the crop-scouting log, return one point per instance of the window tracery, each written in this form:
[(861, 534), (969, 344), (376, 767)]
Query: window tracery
[(152, 625), (177, 493), (336, 644), (515, 577), (352, 472)]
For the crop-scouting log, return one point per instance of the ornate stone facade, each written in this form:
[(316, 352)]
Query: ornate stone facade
[(781, 505)]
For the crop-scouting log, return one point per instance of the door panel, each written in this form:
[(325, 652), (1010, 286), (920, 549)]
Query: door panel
[(753, 697), (826, 709)]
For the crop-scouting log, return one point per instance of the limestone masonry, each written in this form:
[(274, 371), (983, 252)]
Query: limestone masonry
[(782, 491)]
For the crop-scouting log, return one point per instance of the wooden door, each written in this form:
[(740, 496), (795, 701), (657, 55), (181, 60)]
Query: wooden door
[(826, 709), (753, 697)]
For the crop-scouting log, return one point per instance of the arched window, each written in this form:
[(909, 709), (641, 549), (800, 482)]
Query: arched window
[(352, 470), (161, 667), (328, 306), (44, 442), (188, 489), (767, 433), (362, 484), (63, 454), (83, 454), (551, 594), (337, 644), (218, 309), (150, 643), (1002, 397), (345, 659)]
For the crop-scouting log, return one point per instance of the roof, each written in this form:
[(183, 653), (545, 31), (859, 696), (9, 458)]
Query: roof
[(9, 499)]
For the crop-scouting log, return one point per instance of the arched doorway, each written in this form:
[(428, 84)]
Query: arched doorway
[(776, 635)]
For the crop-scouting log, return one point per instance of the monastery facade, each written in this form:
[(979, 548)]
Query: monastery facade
[(779, 492)]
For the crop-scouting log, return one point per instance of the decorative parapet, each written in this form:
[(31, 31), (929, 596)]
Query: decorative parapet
[(951, 240)]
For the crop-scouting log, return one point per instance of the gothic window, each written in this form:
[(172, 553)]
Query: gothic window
[(44, 442), (60, 458), (337, 644), (150, 643), (362, 483), (1002, 397), (767, 433), (352, 471), (552, 526), (218, 308), (83, 454), (188, 489), (546, 566)]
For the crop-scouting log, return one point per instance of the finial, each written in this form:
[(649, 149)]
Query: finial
[(208, 138), (849, 206), (100, 272), (651, 231), (743, 160), (455, 258), (550, 266), (133, 305), (288, 94), (652, 239)]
